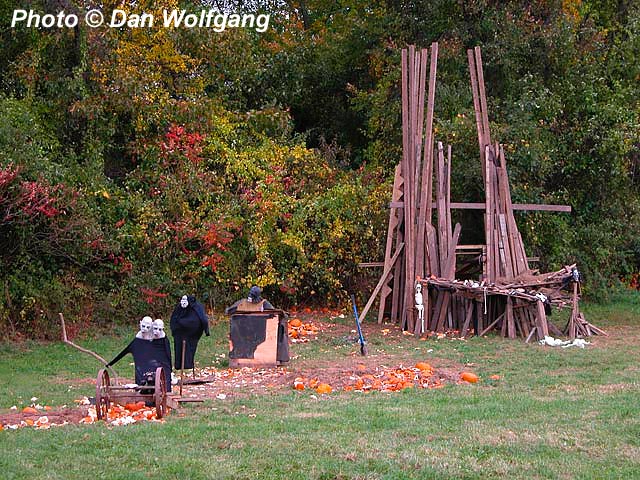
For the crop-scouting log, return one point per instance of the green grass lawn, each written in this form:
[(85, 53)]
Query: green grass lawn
[(555, 413)]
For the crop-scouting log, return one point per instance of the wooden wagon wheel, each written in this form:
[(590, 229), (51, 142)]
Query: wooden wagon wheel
[(160, 394), (103, 384)]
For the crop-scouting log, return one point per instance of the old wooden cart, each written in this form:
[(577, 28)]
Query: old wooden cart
[(106, 393)]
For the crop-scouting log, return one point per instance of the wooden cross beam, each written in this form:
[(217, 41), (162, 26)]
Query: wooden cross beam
[(516, 206)]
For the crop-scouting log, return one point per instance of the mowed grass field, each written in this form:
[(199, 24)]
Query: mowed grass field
[(554, 413)]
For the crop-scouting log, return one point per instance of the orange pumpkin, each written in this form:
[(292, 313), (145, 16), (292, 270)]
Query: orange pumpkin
[(495, 377), (324, 388), (29, 410), (423, 366), (469, 377), (295, 322)]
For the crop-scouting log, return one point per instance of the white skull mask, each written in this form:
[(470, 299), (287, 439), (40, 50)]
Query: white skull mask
[(146, 324), (158, 328), (184, 301), (145, 332)]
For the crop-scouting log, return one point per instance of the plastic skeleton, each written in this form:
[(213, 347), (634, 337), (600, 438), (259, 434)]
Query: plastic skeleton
[(145, 332), (419, 305), (158, 329)]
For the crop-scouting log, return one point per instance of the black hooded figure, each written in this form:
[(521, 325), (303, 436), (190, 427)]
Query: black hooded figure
[(188, 322), (147, 356), (254, 302)]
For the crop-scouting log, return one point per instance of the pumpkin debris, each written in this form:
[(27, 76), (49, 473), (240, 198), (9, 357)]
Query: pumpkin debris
[(300, 332), (469, 377)]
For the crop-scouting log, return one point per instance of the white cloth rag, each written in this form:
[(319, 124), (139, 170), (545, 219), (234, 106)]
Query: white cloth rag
[(556, 342)]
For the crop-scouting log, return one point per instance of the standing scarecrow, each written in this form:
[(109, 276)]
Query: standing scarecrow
[(188, 322)]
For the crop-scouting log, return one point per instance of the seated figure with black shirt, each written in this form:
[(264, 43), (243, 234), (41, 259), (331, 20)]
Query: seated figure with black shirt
[(253, 303)]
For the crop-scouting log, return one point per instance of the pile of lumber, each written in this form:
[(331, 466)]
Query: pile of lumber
[(422, 247)]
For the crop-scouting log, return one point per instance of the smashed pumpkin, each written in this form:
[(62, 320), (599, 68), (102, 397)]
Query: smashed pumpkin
[(469, 377), (422, 366), (324, 388)]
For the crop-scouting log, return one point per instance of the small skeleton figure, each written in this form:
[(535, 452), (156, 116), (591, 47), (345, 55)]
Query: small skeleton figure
[(145, 332), (158, 329), (419, 305), (575, 275)]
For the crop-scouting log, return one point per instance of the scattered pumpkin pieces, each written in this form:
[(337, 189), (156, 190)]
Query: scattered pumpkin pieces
[(469, 377), (495, 377), (118, 415), (300, 332), (295, 322), (396, 378), (41, 423), (423, 366)]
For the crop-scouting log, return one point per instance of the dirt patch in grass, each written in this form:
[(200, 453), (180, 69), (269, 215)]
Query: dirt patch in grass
[(54, 417), (617, 387)]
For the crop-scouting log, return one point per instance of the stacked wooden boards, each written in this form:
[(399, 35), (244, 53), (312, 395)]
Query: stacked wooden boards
[(421, 248)]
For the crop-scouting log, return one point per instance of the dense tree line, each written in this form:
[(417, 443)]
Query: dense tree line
[(137, 163)]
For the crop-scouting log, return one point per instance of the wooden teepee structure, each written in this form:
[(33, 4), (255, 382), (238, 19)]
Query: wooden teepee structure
[(422, 247)]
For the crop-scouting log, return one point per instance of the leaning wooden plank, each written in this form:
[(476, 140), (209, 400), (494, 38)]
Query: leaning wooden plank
[(398, 283), (449, 274), (419, 167), (448, 194), (488, 217), (443, 239), (506, 246), (381, 282), (394, 221), (476, 106), (483, 97), (407, 169), (553, 329), (511, 326), (491, 325), (424, 217), (467, 319), (518, 253), (531, 333), (432, 251), (541, 321)]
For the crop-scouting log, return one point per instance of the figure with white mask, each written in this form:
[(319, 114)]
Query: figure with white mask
[(150, 349), (158, 329), (188, 322), (145, 332)]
